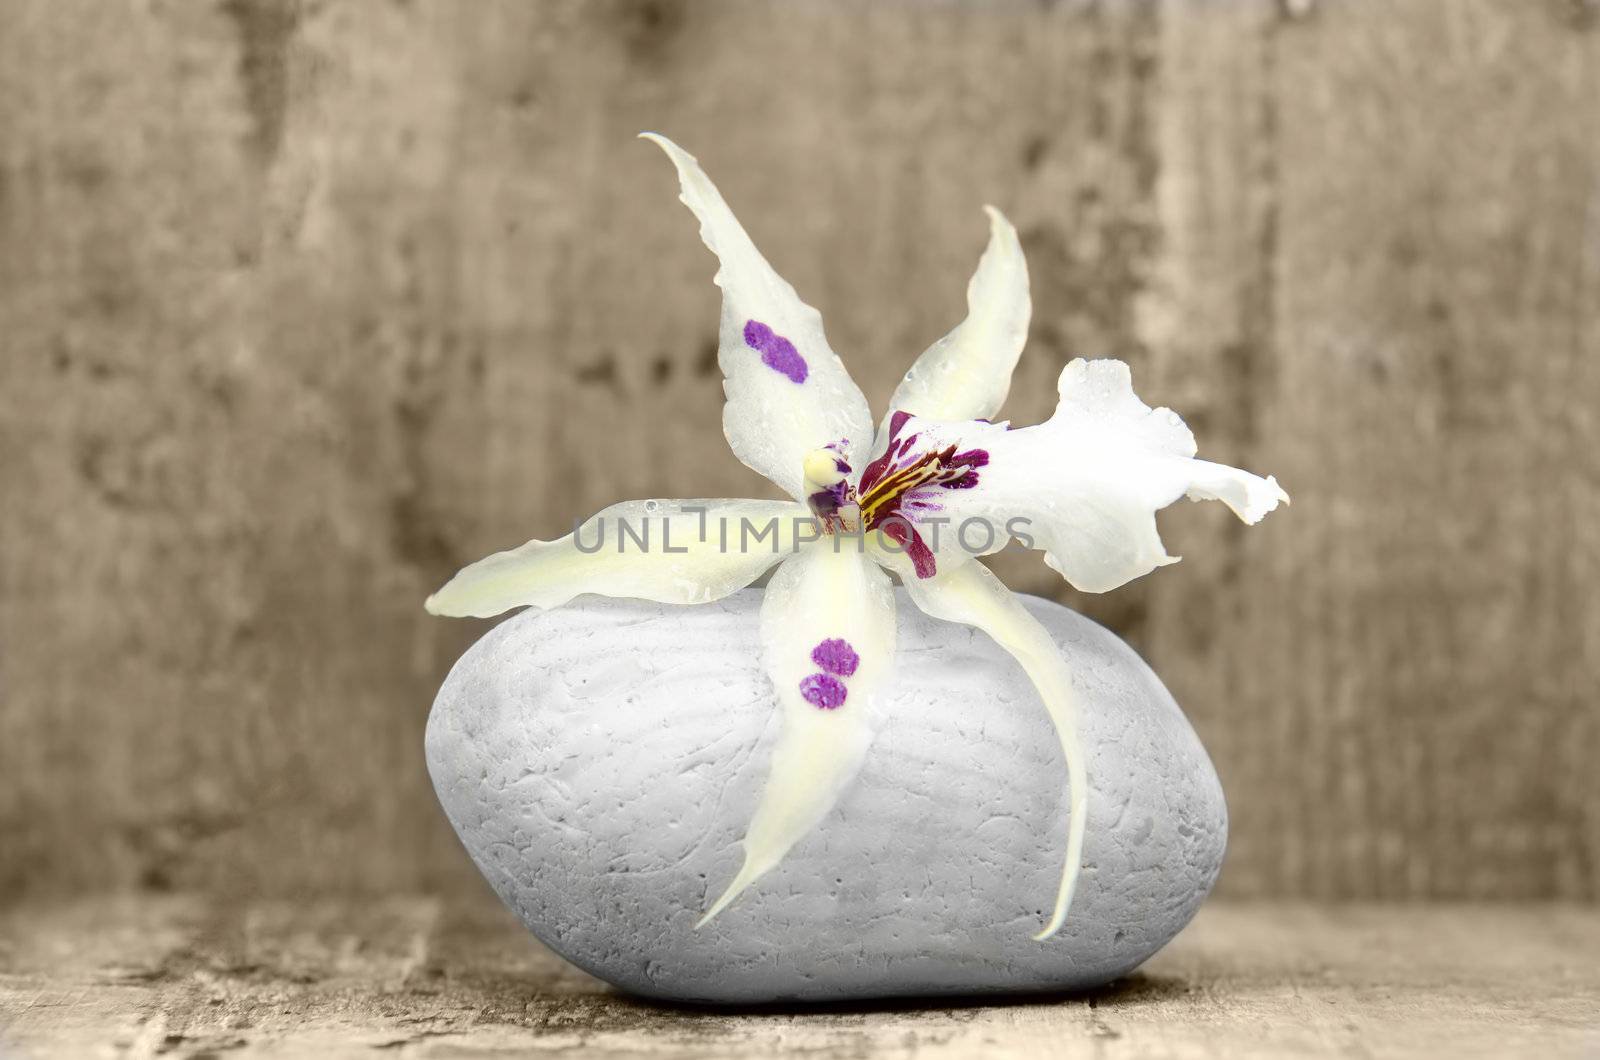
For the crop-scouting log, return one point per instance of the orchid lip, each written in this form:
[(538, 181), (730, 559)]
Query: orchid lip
[(894, 491), (904, 482)]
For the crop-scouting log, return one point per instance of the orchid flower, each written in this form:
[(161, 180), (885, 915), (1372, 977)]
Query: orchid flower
[(1083, 486)]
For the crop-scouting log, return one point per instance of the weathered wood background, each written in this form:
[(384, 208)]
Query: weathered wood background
[(201, 977), (304, 305)]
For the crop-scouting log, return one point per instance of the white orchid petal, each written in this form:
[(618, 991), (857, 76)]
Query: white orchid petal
[(971, 595), (827, 633), (1250, 496), (967, 374), (677, 551), (1084, 485), (788, 393), (1104, 464)]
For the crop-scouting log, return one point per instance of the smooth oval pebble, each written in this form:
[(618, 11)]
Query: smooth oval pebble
[(600, 762)]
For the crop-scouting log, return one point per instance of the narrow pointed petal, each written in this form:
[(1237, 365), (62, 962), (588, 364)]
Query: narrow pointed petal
[(971, 595), (678, 552), (966, 374), (788, 393), (827, 631)]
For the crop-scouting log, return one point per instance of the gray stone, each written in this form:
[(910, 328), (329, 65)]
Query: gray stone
[(601, 760)]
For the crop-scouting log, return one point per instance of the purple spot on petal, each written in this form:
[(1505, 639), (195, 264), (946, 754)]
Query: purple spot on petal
[(777, 352), (823, 691), (836, 656)]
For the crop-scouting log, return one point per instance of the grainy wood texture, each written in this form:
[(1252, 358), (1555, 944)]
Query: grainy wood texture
[(413, 977), (302, 305)]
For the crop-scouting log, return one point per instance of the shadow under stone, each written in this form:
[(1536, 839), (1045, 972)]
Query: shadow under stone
[(1135, 989)]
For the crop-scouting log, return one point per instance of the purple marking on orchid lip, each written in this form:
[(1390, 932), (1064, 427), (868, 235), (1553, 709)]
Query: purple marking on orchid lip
[(902, 484), (836, 656), (972, 458), (901, 471), (777, 352), (840, 466), (823, 691), (917, 550)]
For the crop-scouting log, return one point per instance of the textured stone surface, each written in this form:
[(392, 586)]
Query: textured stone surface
[(600, 762)]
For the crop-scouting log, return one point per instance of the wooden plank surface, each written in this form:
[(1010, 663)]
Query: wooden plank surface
[(303, 304), (189, 977)]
